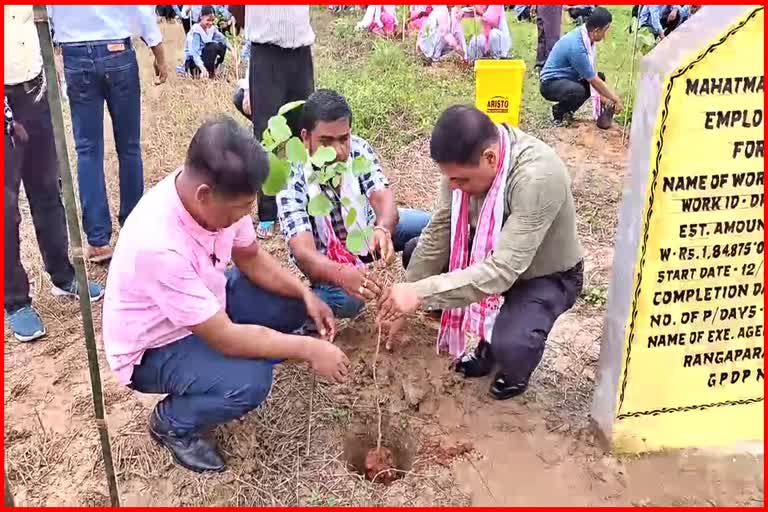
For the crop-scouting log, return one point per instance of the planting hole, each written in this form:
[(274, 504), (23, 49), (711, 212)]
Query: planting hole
[(383, 467)]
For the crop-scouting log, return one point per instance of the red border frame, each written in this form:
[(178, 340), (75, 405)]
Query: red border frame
[(283, 2)]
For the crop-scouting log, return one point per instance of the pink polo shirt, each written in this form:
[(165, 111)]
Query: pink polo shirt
[(162, 278)]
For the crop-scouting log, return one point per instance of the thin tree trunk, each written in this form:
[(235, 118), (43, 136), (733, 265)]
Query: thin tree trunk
[(73, 223)]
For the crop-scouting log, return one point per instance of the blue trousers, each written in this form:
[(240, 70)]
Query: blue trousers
[(411, 224), (94, 76), (206, 388)]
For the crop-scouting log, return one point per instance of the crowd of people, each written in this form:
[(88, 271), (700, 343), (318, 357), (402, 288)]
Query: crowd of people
[(194, 307)]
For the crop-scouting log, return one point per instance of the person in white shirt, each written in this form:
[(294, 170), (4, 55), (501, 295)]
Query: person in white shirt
[(30, 158), (100, 66)]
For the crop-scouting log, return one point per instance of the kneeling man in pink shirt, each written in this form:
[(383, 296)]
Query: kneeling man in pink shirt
[(179, 320)]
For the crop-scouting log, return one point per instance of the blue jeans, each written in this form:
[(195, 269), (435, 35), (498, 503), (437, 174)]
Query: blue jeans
[(412, 223), (95, 75), (205, 387)]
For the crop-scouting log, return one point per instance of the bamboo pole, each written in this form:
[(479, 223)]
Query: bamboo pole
[(406, 16), (631, 76), (7, 495), (73, 223)]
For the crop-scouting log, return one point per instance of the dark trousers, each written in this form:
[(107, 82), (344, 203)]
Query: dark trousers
[(237, 99), (666, 24), (186, 24), (96, 75), (238, 11), (549, 19), (568, 95), (204, 387), (529, 311), (579, 14), (213, 55), (277, 76), (35, 164), (165, 11)]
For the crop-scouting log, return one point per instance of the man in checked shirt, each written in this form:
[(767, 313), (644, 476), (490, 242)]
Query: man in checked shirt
[(337, 276)]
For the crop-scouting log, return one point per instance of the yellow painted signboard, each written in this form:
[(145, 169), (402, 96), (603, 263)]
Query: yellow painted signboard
[(692, 367)]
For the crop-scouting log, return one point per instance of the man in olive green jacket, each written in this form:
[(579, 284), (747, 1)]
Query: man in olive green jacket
[(532, 264)]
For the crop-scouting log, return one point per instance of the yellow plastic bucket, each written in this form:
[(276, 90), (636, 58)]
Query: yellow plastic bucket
[(499, 89)]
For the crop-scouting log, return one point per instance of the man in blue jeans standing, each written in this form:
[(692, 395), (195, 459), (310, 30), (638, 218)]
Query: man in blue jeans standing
[(318, 244), (100, 66), (30, 158)]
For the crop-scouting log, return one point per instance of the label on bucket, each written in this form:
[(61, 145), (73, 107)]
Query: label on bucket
[(497, 105)]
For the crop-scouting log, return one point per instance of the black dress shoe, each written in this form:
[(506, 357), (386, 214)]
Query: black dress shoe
[(501, 389), (478, 363), (191, 451)]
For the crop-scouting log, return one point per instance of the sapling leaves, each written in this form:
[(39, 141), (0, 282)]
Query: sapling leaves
[(319, 206), (285, 150), (351, 217), (279, 170), (267, 141), (358, 238), (290, 106), (278, 128), (295, 151), (323, 156), (361, 165)]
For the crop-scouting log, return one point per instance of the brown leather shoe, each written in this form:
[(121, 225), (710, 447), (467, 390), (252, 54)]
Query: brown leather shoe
[(98, 254)]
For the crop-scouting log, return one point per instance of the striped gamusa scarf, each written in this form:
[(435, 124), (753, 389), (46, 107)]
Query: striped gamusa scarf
[(592, 52), (478, 318), (336, 250)]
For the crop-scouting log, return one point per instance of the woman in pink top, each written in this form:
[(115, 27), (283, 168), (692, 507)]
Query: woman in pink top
[(418, 16), (494, 40), (380, 19), (441, 34)]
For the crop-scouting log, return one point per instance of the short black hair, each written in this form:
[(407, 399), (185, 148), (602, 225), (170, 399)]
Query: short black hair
[(206, 10), (461, 134), (324, 105), (600, 18), (227, 157)]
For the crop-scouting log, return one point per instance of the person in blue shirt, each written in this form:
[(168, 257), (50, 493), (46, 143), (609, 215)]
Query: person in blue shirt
[(205, 47), (569, 75), (661, 20), (649, 16)]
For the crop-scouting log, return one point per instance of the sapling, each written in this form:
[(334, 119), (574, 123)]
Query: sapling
[(285, 150)]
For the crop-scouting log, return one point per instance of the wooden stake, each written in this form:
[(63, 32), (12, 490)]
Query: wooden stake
[(73, 223), (406, 15), (631, 76), (8, 496)]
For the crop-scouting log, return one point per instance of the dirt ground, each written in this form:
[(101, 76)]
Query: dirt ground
[(452, 443)]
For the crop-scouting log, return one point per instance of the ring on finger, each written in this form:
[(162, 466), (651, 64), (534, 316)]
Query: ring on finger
[(361, 290)]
